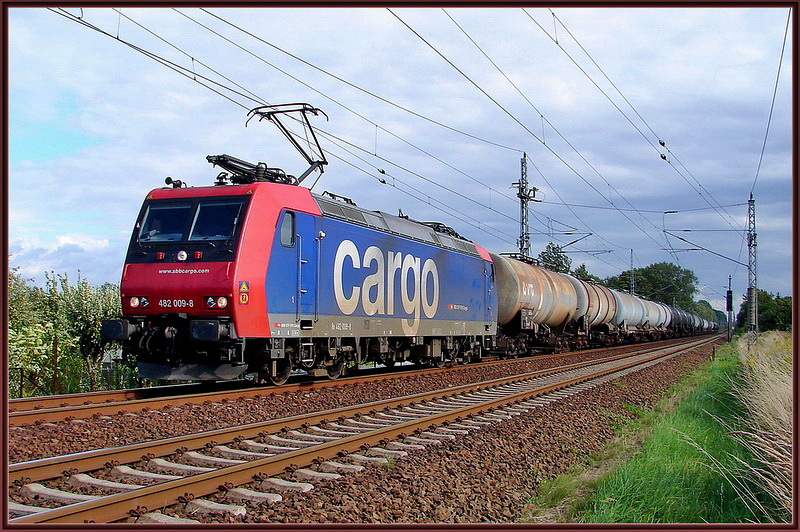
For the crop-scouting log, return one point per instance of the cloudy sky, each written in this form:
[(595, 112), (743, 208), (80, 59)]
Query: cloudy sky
[(439, 105)]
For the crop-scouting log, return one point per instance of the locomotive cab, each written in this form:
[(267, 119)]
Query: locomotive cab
[(174, 296)]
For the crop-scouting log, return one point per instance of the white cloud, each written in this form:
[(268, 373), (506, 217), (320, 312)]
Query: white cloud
[(68, 254)]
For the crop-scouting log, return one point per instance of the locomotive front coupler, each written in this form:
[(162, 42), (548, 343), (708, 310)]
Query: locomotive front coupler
[(119, 330)]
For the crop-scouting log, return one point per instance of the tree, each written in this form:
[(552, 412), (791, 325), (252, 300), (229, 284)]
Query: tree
[(664, 282), (54, 334), (581, 272), (553, 258), (721, 318), (32, 337), (703, 309), (80, 309), (774, 312)]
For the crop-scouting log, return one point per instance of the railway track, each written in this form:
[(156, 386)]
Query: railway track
[(312, 447), (24, 411)]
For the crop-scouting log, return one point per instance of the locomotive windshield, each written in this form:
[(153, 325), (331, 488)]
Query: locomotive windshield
[(191, 220), (165, 222), (215, 221)]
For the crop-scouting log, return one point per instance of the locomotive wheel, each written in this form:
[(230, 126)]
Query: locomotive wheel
[(283, 370), (436, 362), (335, 370)]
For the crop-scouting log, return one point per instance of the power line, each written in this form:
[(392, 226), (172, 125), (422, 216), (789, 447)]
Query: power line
[(527, 100), (255, 98), (431, 181), (337, 102), (569, 207), (253, 54), (425, 197), (361, 89), (165, 62), (346, 107), (185, 72), (705, 249), (708, 230), (528, 130), (653, 211), (552, 126), (587, 75), (506, 111), (658, 138), (772, 105), (194, 76)]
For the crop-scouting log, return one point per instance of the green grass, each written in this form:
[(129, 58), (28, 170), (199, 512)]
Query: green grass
[(672, 480), (653, 471)]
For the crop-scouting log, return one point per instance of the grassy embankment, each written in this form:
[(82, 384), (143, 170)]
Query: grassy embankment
[(699, 455)]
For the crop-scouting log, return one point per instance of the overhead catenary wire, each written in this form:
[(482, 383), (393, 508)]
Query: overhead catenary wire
[(494, 64), (705, 249), (377, 126), (323, 94), (656, 136), (652, 211), (255, 98), (332, 137), (188, 73), (541, 174), (191, 72), (422, 197), (515, 119), (361, 89), (666, 239), (450, 190), (772, 105), (729, 220), (338, 78)]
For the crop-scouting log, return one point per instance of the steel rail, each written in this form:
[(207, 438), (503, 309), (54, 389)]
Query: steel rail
[(118, 507), (41, 402), (82, 406), (45, 468)]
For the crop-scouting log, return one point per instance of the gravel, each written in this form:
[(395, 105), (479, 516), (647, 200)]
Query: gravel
[(487, 476), (42, 440)]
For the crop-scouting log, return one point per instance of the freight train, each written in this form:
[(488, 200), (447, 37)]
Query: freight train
[(258, 275)]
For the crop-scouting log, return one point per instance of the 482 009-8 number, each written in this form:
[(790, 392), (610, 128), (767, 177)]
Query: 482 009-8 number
[(175, 303)]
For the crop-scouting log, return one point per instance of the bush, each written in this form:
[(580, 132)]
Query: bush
[(54, 343)]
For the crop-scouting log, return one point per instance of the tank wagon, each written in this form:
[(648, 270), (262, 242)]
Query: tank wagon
[(542, 309), (258, 275)]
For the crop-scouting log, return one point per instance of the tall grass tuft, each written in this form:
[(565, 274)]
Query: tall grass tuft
[(765, 390)]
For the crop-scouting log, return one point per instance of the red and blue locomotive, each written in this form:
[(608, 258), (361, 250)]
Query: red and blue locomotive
[(258, 275)]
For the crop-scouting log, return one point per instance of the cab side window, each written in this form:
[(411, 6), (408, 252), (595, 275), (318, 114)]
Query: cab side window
[(287, 229)]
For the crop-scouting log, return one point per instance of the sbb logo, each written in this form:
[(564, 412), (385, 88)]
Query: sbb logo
[(384, 268)]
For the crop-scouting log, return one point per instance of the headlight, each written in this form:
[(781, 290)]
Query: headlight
[(182, 255), (222, 302), (134, 302)]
